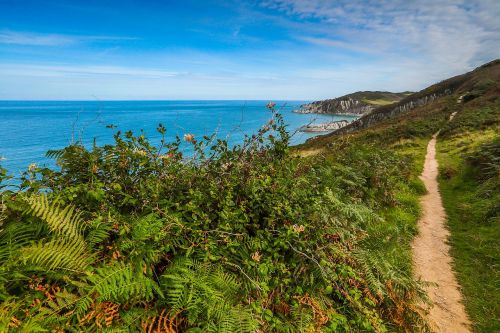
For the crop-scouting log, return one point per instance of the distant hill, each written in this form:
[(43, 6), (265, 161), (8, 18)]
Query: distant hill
[(465, 87), (358, 103)]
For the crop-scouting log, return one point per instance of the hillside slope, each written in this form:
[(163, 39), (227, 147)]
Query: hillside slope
[(468, 152), (358, 103), (469, 163), (465, 87)]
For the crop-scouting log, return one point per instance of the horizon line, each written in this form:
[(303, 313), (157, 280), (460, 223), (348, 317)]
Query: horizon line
[(152, 100)]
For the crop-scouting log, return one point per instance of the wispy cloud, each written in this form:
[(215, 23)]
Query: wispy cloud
[(83, 71), (336, 44), (42, 39), (453, 35), (305, 49)]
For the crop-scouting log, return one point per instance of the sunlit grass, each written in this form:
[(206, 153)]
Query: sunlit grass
[(378, 102), (474, 234)]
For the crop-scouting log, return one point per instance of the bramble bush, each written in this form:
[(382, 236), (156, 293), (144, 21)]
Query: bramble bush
[(137, 237)]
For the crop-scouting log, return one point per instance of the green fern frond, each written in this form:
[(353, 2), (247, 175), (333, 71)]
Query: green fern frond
[(234, 320), (351, 212), (205, 293), (122, 283), (371, 265), (65, 222), (15, 235), (83, 305), (55, 153), (59, 254), (98, 234), (243, 320)]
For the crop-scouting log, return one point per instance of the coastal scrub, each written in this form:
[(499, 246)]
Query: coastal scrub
[(131, 236)]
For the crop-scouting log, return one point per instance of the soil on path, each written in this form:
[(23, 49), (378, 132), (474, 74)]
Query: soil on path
[(431, 256)]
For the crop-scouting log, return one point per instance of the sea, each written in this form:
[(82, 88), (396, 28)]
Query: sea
[(28, 129)]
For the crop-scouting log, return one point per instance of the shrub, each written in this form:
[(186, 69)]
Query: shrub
[(486, 159), (133, 236)]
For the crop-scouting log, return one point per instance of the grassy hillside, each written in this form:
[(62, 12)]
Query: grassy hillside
[(466, 87), (469, 157), (377, 98)]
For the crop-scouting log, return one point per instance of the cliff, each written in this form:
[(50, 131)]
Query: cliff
[(358, 103), (324, 127)]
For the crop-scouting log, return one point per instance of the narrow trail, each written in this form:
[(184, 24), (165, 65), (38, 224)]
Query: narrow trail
[(431, 258)]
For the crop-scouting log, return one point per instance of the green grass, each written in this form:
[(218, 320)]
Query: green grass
[(415, 150), (378, 102), (400, 225), (474, 227), (398, 228)]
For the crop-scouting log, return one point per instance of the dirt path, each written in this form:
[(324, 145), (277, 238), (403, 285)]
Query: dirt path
[(431, 257)]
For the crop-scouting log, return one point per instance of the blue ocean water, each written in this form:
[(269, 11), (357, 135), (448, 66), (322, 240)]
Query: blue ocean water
[(29, 128)]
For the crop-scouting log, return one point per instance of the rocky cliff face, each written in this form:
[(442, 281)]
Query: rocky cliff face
[(358, 103), (324, 127), (337, 106), (386, 113)]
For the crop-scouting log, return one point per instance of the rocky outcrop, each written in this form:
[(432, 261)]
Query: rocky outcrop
[(419, 102), (337, 106), (324, 127), (358, 103)]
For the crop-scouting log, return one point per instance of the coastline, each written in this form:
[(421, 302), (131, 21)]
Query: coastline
[(330, 114), (324, 127)]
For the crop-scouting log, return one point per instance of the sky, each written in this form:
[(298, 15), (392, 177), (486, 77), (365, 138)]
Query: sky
[(211, 49)]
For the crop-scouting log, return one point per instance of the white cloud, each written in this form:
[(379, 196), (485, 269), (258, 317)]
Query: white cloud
[(337, 47), (20, 38), (21, 81), (82, 71), (448, 36), (40, 39), (336, 44)]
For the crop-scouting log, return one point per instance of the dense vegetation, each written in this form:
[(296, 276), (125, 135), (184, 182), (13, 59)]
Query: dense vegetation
[(468, 153), (259, 237), (469, 157), (133, 237)]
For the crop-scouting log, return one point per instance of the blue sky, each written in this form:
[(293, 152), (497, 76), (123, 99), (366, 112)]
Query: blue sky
[(208, 49)]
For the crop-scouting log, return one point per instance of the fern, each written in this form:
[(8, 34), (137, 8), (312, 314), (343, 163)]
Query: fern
[(100, 232), (67, 250), (55, 153), (64, 222), (237, 320), (204, 293), (16, 235), (58, 254), (122, 283), (371, 266)]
